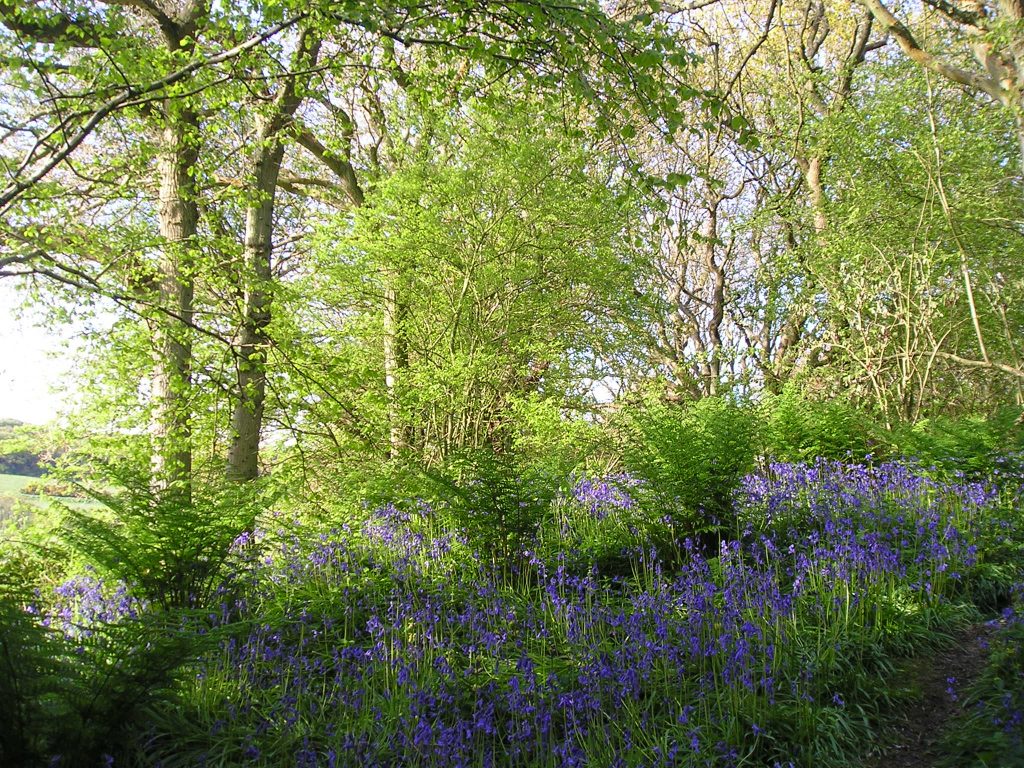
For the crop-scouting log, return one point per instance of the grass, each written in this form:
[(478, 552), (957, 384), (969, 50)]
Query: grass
[(398, 639), (12, 490), (385, 646), (11, 485)]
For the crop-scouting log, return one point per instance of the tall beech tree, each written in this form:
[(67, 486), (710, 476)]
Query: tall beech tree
[(264, 172), (166, 34), (192, 75)]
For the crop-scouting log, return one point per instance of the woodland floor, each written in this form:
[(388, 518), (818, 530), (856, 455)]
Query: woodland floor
[(913, 738)]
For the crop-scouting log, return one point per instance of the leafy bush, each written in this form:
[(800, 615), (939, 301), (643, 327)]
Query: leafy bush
[(73, 698), (498, 501), (545, 438), (169, 551), (797, 428), (978, 446), (691, 458)]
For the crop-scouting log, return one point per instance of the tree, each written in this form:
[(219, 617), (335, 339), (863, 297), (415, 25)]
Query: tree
[(744, 203), (504, 254), (952, 33), (264, 174), (922, 268), (125, 69)]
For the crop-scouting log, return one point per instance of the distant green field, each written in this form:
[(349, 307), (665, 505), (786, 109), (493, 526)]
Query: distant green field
[(11, 485)]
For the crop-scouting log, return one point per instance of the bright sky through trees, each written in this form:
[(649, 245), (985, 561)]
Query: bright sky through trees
[(35, 366)]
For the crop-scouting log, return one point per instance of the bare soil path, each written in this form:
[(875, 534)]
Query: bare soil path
[(912, 740)]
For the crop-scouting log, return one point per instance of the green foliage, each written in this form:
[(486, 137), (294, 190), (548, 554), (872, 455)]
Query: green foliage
[(976, 445), (29, 672), (169, 550), (21, 449), (79, 700), (994, 579), (31, 555), (488, 185), (7, 507), (989, 731), (797, 428), (924, 260), (498, 501), (546, 435), (691, 457), (488, 273), (21, 463)]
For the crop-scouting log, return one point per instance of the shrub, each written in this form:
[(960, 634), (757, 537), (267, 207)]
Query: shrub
[(690, 458), (169, 552), (498, 501), (797, 428), (73, 699), (977, 446)]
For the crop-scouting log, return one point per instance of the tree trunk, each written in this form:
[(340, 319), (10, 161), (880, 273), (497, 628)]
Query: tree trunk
[(792, 332), (251, 355), (170, 426), (812, 176), (253, 342), (716, 273), (396, 360)]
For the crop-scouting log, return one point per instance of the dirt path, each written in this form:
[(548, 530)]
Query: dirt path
[(912, 740)]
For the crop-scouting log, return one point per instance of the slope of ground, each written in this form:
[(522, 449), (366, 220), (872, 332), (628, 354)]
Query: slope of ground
[(935, 684)]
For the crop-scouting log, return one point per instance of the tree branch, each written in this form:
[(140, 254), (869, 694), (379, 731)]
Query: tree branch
[(56, 28), (958, 15), (342, 168), (128, 95), (990, 365), (919, 55)]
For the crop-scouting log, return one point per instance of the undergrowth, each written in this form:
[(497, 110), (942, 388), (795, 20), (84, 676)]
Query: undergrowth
[(691, 604)]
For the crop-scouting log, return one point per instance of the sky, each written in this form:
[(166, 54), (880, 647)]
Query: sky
[(36, 368), (35, 371)]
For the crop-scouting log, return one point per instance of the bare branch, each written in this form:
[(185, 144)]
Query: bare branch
[(342, 168), (770, 17), (990, 365)]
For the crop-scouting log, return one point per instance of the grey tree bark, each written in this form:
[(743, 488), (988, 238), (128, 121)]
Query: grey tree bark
[(170, 424), (253, 341)]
